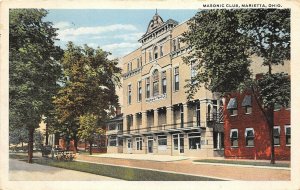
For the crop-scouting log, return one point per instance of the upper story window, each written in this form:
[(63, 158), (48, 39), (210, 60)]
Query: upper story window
[(193, 71), (276, 135), (287, 135), (139, 91), (138, 62), (141, 61), (161, 51), (174, 45), (164, 82), (198, 114), (155, 52), (129, 66), (129, 94), (234, 136), (155, 83), (178, 43), (249, 134), (247, 104), (150, 56), (176, 77), (232, 107), (148, 87)]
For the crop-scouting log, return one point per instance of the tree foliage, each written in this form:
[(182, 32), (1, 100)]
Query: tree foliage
[(89, 85), (34, 68), (224, 41), (89, 128)]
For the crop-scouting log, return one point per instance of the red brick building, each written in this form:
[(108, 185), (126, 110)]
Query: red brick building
[(246, 133)]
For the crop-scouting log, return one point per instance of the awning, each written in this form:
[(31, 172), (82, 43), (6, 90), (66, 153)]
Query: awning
[(232, 104), (247, 101)]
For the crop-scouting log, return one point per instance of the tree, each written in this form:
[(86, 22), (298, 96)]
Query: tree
[(34, 69), (222, 43), (89, 129), (17, 136), (88, 88)]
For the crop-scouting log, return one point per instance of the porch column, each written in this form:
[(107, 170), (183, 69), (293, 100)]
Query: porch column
[(169, 115), (134, 122), (185, 115), (144, 120), (155, 118), (125, 123)]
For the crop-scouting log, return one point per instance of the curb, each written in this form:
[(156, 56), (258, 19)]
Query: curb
[(165, 171), (245, 166)]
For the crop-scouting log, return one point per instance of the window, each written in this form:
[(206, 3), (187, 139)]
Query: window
[(287, 135), (249, 134), (232, 107), (129, 66), (198, 114), (176, 76), (247, 104), (155, 52), (181, 116), (178, 43), (218, 140), (139, 142), (129, 94), (147, 87), (129, 143), (155, 83), (139, 91), (194, 140), (276, 135), (112, 141), (174, 45), (164, 82), (193, 72), (234, 137), (138, 62), (161, 51), (150, 56), (162, 142), (141, 61)]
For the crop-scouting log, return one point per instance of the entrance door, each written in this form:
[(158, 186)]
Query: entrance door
[(150, 144), (181, 144), (129, 146), (178, 142)]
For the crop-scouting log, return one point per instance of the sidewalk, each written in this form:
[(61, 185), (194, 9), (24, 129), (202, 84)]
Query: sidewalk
[(22, 171), (186, 166)]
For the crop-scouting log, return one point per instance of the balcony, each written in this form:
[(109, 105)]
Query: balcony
[(156, 98), (164, 128), (215, 117)]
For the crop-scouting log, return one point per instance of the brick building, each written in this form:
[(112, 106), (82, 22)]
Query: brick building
[(246, 132)]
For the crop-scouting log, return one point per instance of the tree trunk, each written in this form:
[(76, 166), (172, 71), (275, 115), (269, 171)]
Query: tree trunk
[(75, 143), (91, 152), (47, 136), (271, 125), (30, 144)]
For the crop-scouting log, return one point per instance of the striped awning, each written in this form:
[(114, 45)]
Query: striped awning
[(232, 104), (247, 101)]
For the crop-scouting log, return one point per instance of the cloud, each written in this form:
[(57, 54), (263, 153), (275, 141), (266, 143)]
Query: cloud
[(62, 25), (95, 30), (122, 45)]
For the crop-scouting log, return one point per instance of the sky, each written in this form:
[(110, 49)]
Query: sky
[(113, 30)]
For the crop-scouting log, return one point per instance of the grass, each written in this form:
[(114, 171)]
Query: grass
[(119, 172), (243, 163)]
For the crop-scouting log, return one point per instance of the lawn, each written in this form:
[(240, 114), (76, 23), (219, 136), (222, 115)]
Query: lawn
[(124, 173), (237, 162)]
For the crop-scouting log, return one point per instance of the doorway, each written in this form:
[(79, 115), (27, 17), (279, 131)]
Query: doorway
[(178, 143), (150, 145)]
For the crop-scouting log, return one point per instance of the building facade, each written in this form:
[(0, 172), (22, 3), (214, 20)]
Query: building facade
[(157, 117), (247, 132)]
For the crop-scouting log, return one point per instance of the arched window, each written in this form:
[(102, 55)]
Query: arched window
[(155, 52), (155, 82)]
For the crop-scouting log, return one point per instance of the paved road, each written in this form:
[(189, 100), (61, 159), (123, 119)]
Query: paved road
[(22, 171), (186, 166)]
